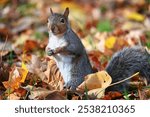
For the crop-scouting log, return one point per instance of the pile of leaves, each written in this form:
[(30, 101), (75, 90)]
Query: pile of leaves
[(27, 73)]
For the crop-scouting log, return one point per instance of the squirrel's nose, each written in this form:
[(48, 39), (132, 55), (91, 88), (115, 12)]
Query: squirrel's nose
[(53, 27)]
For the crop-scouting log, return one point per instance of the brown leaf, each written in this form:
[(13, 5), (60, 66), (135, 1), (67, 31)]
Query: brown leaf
[(55, 95), (36, 68), (4, 32), (144, 93), (74, 95), (20, 92), (38, 93), (4, 73), (94, 57), (53, 74), (112, 96), (30, 45)]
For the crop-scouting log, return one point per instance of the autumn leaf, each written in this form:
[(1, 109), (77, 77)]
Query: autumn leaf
[(17, 76), (56, 95), (30, 45), (24, 71), (96, 93), (38, 93), (96, 80), (42, 93), (110, 42), (135, 16), (112, 96), (104, 26), (96, 83), (13, 97), (53, 74)]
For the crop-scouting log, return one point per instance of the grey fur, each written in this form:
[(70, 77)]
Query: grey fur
[(81, 65), (127, 62)]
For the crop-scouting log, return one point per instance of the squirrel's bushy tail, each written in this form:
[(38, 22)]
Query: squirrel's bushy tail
[(127, 62)]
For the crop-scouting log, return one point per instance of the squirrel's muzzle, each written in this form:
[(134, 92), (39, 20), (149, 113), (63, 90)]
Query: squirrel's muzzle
[(54, 29)]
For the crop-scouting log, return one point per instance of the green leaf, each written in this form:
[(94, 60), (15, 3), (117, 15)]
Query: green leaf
[(38, 35), (148, 44), (104, 26), (86, 93), (126, 95), (147, 33)]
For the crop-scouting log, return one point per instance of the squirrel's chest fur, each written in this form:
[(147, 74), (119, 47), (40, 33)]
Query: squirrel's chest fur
[(64, 62)]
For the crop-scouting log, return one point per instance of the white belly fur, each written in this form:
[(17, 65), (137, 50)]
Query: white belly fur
[(63, 61), (65, 67)]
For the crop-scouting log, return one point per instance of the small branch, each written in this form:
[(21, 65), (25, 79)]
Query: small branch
[(124, 79)]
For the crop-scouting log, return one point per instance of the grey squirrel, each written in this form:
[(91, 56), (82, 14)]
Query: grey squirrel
[(67, 49), (126, 63), (73, 63)]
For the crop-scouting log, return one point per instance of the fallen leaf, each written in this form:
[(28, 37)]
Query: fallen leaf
[(134, 37), (13, 97), (96, 93), (110, 42), (30, 45), (36, 68), (96, 80), (112, 96), (20, 92), (135, 16), (104, 26), (53, 74), (55, 95), (24, 71), (38, 93), (17, 76)]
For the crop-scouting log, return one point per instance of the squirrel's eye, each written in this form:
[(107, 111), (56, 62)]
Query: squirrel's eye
[(62, 20)]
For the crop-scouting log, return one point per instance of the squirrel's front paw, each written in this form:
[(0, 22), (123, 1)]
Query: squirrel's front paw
[(50, 52)]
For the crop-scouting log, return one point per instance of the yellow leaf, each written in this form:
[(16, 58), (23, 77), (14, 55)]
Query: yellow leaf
[(96, 80), (135, 16), (110, 41), (23, 66), (24, 72)]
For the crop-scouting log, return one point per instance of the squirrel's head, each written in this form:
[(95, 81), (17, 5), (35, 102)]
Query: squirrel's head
[(58, 23)]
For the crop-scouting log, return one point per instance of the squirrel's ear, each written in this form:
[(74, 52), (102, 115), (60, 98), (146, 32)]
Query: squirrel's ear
[(51, 11), (66, 13)]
